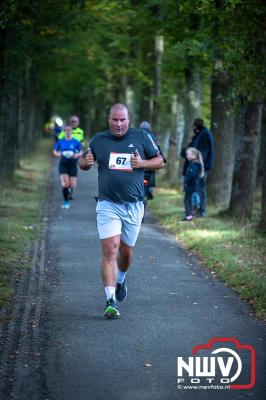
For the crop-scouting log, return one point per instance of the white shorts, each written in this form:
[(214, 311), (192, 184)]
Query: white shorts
[(119, 219)]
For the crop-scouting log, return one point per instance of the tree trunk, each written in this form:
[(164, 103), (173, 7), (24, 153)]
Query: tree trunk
[(21, 124), (2, 99), (32, 101), (145, 112), (222, 127), (100, 121), (130, 102), (244, 180), (192, 102), (47, 112), (7, 112), (262, 224), (261, 149), (87, 117), (171, 168), (192, 99), (159, 48), (10, 145)]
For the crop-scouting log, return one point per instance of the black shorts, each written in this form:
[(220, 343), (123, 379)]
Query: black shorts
[(68, 167)]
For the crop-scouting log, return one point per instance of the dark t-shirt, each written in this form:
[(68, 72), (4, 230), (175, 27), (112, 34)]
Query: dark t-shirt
[(117, 181)]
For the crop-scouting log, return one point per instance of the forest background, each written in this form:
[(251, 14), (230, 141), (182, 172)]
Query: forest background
[(170, 61)]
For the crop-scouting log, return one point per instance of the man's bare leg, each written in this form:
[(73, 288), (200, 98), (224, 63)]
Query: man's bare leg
[(123, 262), (110, 248), (124, 256)]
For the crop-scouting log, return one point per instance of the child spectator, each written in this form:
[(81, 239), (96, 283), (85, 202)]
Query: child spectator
[(194, 171)]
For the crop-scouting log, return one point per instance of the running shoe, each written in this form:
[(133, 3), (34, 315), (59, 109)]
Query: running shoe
[(111, 310), (65, 205), (195, 211), (186, 219), (200, 214), (121, 291)]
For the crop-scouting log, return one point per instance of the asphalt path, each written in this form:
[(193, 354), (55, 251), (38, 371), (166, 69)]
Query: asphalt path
[(173, 304)]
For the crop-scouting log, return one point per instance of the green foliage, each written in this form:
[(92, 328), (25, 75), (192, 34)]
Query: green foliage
[(233, 252), (20, 216), (82, 50), (238, 35)]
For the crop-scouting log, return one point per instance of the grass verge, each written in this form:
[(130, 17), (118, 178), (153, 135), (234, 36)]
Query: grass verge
[(235, 253), (21, 205)]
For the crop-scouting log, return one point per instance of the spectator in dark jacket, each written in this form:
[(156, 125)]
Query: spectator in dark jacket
[(203, 141), (194, 172), (149, 176)]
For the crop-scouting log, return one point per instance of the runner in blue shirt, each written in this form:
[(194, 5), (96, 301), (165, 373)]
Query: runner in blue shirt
[(122, 153), (69, 150)]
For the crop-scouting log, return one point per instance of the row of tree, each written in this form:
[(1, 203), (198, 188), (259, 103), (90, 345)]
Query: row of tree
[(169, 61)]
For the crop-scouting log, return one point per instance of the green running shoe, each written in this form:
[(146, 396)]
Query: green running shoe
[(111, 310)]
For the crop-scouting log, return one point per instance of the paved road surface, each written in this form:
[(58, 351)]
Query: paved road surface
[(173, 305)]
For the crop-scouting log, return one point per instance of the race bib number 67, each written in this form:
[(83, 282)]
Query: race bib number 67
[(120, 161)]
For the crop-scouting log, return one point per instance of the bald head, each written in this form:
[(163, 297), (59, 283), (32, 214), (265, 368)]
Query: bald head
[(118, 119), (74, 121), (118, 107)]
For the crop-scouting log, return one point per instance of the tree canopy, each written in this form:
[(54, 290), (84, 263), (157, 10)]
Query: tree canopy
[(83, 49), (161, 58)]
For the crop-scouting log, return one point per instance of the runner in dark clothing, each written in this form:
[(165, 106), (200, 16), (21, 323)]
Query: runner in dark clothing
[(149, 176)]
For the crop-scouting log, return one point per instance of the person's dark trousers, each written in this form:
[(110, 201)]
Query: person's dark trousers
[(188, 203), (202, 192)]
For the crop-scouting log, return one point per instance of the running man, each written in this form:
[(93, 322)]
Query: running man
[(69, 150), (122, 153)]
